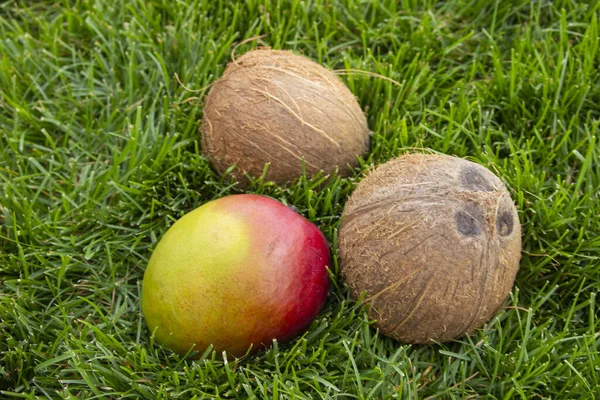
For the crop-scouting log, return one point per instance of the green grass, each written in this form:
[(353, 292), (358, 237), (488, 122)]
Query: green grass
[(99, 155)]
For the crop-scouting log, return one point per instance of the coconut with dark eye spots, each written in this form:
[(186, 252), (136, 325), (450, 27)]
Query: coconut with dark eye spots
[(277, 107), (435, 242)]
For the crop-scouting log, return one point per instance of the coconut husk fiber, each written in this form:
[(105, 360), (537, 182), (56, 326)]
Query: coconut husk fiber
[(434, 244), (276, 107)]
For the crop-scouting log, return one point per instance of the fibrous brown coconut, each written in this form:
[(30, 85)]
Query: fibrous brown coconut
[(277, 107), (435, 242)]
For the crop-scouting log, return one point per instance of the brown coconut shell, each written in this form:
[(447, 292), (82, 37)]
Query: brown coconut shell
[(273, 106), (435, 242)]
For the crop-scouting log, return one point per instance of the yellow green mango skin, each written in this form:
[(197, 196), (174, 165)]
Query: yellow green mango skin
[(236, 272)]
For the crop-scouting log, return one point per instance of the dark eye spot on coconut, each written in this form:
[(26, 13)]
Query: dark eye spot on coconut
[(505, 223), (471, 179), (470, 221), (466, 224)]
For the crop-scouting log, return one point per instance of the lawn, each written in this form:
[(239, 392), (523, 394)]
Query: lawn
[(100, 109)]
